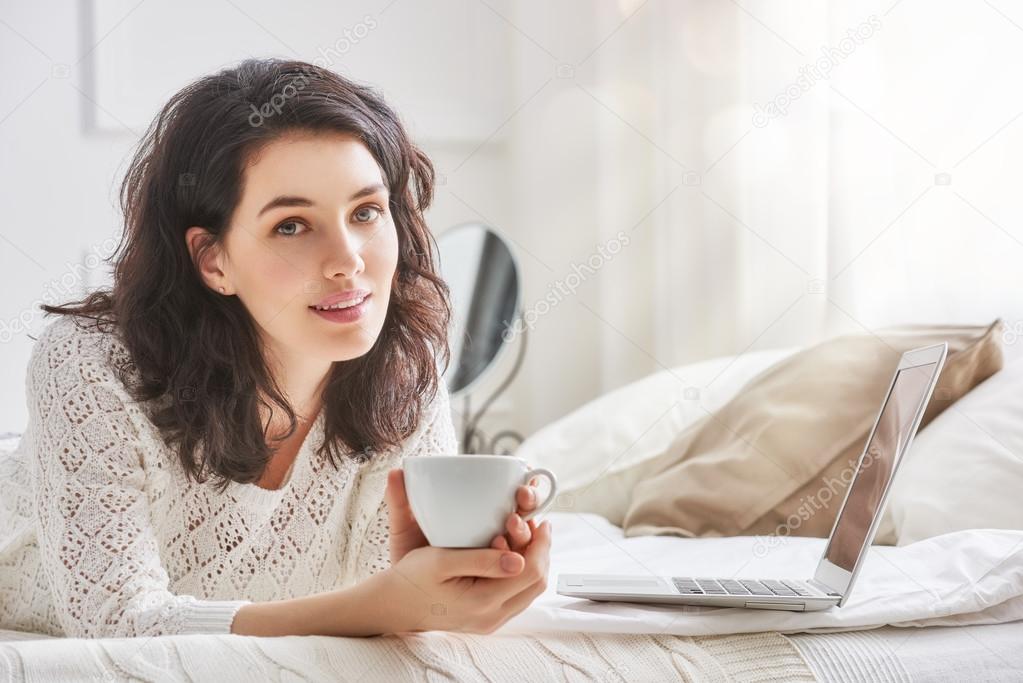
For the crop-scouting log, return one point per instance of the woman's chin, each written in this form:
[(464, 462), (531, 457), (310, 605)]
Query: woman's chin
[(346, 345)]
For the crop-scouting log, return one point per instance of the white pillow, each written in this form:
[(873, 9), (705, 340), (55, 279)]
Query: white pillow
[(965, 469), (634, 424)]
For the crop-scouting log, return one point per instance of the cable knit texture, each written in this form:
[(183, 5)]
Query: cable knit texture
[(432, 657), (102, 534)]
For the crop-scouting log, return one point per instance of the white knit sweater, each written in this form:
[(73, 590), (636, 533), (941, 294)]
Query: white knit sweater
[(102, 534)]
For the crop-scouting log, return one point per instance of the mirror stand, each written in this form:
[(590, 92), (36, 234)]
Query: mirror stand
[(473, 439), (484, 281)]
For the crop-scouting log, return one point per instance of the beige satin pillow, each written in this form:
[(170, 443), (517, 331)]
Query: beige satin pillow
[(777, 459)]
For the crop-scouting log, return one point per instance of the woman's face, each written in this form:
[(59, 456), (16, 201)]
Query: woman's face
[(313, 224)]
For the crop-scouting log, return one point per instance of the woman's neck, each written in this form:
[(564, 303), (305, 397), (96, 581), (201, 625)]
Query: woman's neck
[(302, 379)]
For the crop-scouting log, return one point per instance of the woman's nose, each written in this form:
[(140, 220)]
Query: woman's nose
[(345, 258)]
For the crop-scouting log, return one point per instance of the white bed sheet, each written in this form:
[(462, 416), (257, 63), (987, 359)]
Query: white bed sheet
[(967, 577)]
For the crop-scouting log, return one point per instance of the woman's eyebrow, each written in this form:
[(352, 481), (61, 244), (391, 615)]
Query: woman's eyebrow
[(284, 200), (291, 200), (369, 189)]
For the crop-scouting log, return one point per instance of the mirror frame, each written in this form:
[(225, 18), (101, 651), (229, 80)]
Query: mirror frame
[(505, 345)]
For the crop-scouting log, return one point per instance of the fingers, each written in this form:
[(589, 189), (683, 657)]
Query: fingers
[(522, 600), (500, 542), (396, 494), (539, 550), (398, 510), (525, 498), (537, 563), (479, 562), (520, 533)]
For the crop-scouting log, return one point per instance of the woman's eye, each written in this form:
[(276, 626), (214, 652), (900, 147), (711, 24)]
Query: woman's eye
[(288, 228), (367, 214)]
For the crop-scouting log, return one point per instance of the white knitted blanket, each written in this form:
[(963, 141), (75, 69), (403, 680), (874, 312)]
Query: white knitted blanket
[(433, 656)]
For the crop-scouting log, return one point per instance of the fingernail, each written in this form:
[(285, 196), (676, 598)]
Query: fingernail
[(509, 562)]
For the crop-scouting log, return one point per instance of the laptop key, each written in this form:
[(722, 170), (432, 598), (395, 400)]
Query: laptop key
[(799, 589), (733, 587), (687, 587), (711, 587), (778, 587), (755, 587)]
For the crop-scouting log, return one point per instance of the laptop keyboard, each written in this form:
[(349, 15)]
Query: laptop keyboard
[(786, 588)]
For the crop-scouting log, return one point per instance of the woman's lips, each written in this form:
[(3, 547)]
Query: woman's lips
[(349, 314), (341, 297)]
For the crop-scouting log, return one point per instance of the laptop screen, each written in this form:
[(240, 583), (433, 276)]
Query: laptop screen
[(868, 486)]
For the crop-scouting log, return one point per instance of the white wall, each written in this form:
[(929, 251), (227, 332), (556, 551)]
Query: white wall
[(80, 84), (562, 124)]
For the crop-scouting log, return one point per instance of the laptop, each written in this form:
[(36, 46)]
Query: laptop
[(857, 521)]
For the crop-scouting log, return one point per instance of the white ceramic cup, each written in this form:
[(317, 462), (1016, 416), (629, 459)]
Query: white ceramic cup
[(463, 501)]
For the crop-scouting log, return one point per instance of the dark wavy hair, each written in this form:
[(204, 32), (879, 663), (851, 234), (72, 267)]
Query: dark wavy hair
[(196, 355)]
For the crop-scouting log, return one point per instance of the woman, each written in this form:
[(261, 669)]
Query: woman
[(214, 444)]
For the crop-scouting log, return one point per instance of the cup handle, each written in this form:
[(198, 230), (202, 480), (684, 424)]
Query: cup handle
[(549, 501)]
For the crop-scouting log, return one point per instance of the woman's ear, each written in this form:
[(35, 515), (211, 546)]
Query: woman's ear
[(206, 255)]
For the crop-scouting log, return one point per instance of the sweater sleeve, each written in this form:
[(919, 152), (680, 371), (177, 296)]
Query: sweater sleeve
[(437, 439), (96, 540)]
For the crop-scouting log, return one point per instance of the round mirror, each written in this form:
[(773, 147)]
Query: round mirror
[(479, 268)]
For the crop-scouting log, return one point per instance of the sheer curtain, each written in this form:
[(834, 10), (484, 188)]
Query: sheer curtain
[(851, 166), (925, 204), (783, 172)]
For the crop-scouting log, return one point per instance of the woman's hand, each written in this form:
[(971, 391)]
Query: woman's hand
[(464, 589), (519, 533), (405, 532), (425, 588)]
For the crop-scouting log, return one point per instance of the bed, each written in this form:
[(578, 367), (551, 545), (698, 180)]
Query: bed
[(911, 617), (975, 653), (948, 606)]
